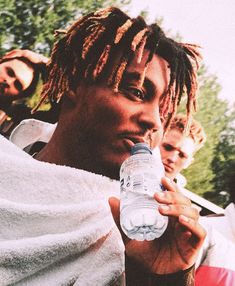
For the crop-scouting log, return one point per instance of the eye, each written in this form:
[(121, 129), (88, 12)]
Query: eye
[(168, 147), (10, 72), (18, 85), (136, 92)]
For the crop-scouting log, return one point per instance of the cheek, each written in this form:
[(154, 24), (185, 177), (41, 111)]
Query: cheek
[(110, 114), (163, 152)]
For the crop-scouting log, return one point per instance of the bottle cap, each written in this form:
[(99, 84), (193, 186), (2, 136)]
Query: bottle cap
[(140, 148)]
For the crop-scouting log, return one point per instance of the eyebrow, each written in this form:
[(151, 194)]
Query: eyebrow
[(148, 84), (175, 148)]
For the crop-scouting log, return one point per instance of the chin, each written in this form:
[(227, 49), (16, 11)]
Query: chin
[(111, 168)]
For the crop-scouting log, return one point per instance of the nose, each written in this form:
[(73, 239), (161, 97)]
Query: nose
[(9, 81), (149, 118), (172, 158)]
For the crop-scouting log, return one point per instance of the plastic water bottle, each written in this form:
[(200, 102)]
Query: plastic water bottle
[(140, 178)]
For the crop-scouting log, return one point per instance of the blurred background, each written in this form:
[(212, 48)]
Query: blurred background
[(30, 24)]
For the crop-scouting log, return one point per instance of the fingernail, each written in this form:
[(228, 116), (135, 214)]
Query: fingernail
[(184, 218)]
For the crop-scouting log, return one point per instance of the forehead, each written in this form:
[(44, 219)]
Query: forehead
[(157, 70), (179, 141)]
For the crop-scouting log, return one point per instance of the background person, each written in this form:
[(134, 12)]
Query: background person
[(109, 101), (178, 148), (20, 71), (179, 145)]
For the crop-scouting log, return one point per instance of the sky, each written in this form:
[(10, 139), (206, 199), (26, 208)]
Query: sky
[(208, 23)]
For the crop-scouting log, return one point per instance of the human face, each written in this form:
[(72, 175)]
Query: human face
[(108, 124), (15, 77), (176, 152)]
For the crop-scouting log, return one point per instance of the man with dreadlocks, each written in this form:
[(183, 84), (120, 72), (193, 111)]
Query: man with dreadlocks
[(115, 77)]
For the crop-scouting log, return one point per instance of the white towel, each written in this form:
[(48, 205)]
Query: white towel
[(56, 227)]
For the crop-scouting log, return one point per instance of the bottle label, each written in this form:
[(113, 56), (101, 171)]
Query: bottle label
[(144, 183)]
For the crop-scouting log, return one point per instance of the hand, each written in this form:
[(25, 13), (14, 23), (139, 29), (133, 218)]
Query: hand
[(30, 55), (178, 248)]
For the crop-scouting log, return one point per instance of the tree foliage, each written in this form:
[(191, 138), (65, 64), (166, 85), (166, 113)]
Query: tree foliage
[(223, 166), (212, 115), (30, 24)]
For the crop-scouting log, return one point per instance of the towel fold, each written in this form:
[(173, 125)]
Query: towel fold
[(56, 227)]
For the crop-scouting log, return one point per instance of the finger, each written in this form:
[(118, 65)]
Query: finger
[(169, 185), (178, 210), (172, 198), (198, 232)]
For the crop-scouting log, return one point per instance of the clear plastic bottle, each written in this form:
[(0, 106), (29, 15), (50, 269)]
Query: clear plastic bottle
[(140, 178)]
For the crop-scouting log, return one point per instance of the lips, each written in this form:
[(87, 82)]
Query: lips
[(135, 138), (168, 168), (130, 140)]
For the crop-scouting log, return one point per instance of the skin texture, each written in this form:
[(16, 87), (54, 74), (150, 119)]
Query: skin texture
[(96, 130), (17, 77), (177, 152)]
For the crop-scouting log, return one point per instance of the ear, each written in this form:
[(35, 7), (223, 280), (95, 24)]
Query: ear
[(188, 162), (71, 96)]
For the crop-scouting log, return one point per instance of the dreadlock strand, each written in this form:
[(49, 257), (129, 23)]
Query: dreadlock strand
[(42, 99), (89, 42), (138, 38), (122, 30), (102, 61), (142, 77), (119, 74), (192, 50), (140, 50)]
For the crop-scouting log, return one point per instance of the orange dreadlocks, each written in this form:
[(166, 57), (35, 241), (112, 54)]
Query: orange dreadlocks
[(86, 50)]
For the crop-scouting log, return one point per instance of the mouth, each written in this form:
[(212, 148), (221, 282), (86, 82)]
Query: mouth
[(130, 140), (168, 168)]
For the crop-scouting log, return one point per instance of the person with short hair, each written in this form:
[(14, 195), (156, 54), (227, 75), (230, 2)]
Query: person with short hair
[(119, 82), (179, 145), (182, 140)]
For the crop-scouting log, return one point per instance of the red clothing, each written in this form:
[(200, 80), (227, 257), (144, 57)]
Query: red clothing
[(208, 276)]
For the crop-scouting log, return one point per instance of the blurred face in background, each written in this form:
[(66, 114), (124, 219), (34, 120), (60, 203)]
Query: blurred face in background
[(15, 77), (177, 152)]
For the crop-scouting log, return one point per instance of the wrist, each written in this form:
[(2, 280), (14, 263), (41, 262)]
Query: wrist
[(137, 275), (184, 277)]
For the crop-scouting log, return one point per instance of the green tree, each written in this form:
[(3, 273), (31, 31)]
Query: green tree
[(30, 24), (212, 115), (223, 166)]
